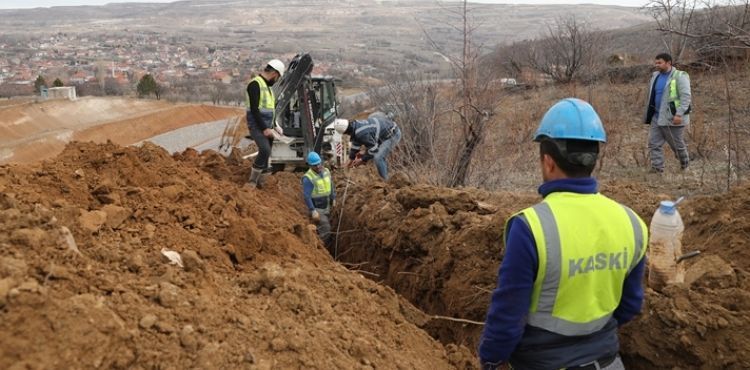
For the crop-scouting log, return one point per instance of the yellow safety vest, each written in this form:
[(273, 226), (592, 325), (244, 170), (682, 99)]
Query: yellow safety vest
[(673, 93), (586, 245), (321, 187), (267, 102)]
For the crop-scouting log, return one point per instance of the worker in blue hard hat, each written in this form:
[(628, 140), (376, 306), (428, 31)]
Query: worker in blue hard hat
[(319, 195), (573, 263)]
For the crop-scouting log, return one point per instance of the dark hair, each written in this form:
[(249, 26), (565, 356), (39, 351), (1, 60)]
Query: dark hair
[(665, 57), (270, 69), (576, 158)]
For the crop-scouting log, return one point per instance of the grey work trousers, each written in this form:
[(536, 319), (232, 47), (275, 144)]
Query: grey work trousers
[(324, 227), (383, 150), (672, 135), (264, 148)]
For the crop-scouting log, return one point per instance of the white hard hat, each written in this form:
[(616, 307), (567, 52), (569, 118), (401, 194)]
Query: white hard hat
[(278, 66), (340, 125)]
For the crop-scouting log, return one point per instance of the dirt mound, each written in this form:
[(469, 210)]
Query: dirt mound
[(441, 249), (702, 323), (35, 131), (82, 271)]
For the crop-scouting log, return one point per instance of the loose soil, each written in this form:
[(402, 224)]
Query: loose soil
[(84, 284)]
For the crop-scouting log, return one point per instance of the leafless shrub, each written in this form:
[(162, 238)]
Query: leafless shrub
[(444, 122), (476, 100), (674, 18), (721, 32), (512, 60), (570, 51), (414, 101)]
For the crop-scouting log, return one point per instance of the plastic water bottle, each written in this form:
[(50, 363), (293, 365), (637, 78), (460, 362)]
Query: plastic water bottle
[(665, 246)]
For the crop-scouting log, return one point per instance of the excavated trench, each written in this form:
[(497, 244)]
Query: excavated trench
[(441, 248), (437, 247)]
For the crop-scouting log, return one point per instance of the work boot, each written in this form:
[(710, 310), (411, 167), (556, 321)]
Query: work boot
[(255, 175), (653, 170), (261, 180)]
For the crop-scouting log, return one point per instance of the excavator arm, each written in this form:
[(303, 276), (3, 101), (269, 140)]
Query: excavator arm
[(296, 83)]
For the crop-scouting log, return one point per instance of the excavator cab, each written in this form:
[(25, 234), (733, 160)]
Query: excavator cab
[(323, 105)]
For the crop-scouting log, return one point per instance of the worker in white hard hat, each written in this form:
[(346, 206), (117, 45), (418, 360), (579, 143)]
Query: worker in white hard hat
[(378, 134), (260, 103)]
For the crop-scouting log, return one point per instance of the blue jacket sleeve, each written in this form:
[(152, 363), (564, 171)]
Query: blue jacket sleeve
[(307, 189), (506, 317), (371, 142), (632, 295)]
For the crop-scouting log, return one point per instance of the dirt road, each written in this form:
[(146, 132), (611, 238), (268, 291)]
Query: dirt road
[(32, 131)]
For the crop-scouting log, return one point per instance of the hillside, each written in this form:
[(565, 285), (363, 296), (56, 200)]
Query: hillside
[(366, 31)]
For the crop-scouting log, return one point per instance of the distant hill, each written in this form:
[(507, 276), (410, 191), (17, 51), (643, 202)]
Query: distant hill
[(323, 25)]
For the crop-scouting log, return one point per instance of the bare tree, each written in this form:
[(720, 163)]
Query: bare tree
[(671, 16), (568, 52), (112, 87), (218, 92), (721, 30), (415, 102), (476, 101), (511, 60)]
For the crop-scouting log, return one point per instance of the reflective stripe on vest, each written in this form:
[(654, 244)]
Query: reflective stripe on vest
[(266, 101), (321, 186), (369, 125), (581, 268)]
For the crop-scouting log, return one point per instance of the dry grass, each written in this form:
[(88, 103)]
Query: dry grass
[(509, 159)]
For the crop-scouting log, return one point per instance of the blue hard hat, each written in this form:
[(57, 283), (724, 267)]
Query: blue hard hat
[(571, 118), (313, 159)]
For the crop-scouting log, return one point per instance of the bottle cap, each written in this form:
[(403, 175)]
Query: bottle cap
[(667, 207)]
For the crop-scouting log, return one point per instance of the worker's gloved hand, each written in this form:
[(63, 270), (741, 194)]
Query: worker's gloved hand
[(315, 216), (355, 162)]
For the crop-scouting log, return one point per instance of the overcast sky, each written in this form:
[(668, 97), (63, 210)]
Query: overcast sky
[(17, 4)]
